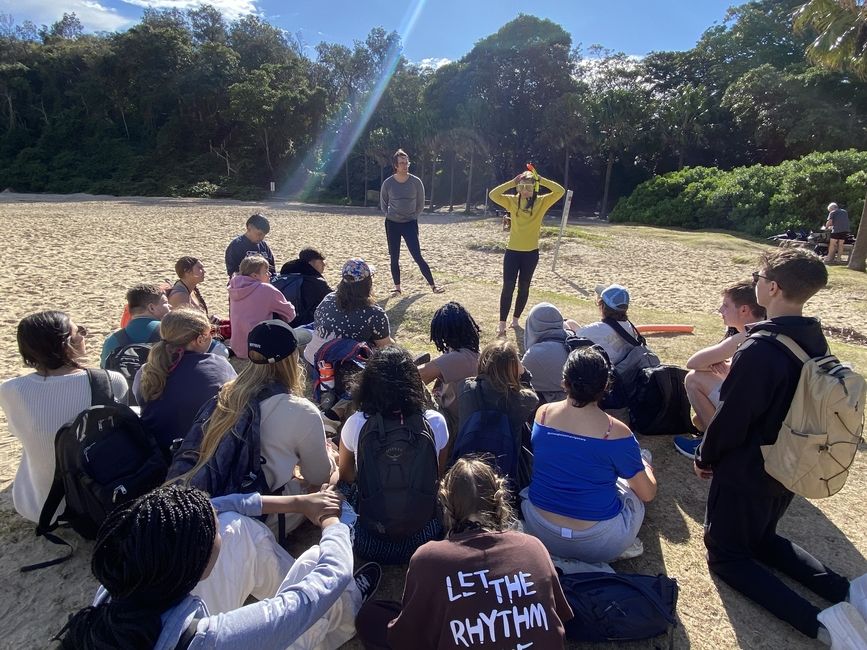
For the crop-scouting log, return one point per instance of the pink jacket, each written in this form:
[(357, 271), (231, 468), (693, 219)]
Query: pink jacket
[(251, 302)]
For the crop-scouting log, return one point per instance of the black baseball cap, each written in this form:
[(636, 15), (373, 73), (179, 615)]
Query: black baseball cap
[(275, 340)]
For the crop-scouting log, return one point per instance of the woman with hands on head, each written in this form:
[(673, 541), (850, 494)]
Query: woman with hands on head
[(526, 209)]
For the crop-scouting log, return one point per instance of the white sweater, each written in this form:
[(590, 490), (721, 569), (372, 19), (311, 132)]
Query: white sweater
[(36, 407)]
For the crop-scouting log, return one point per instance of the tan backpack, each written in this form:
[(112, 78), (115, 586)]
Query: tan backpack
[(819, 436)]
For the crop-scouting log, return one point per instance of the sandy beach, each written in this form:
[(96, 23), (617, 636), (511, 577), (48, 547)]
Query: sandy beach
[(80, 254)]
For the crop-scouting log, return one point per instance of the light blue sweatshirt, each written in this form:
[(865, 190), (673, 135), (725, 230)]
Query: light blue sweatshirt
[(272, 623)]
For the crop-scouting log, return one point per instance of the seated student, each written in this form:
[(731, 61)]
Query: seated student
[(389, 386), (38, 404), (291, 432), (438, 611), (252, 242), (456, 335), (147, 305), (179, 377), (252, 299), (499, 382), (185, 291), (152, 552), (745, 504), (351, 311), (613, 302), (545, 351), (590, 480), (710, 366), (311, 265)]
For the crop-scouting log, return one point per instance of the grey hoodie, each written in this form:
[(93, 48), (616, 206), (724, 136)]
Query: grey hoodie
[(546, 352)]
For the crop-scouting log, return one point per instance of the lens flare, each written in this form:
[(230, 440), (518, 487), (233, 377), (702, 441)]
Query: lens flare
[(338, 137)]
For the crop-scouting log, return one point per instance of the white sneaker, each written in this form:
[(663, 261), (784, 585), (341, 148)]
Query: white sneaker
[(858, 595), (646, 455), (636, 549), (847, 628)]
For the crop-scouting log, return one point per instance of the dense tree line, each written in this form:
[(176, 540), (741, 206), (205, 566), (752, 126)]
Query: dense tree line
[(187, 103)]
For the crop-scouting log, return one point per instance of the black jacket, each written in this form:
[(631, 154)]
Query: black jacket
[(313, 289), (755, 398)]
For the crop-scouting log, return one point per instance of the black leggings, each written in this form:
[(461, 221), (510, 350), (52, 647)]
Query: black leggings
[(518, 267), (409, 231)]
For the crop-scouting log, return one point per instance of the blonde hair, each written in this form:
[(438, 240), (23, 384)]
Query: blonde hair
[(499, 363), (178, 329), (236, 395), (252, 264), (472, 491)]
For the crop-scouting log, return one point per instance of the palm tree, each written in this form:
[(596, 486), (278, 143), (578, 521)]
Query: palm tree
[(840, 44)]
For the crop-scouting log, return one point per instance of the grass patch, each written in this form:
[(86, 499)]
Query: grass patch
[(573, 232), (487, 246), (717, 239), (743, 260)]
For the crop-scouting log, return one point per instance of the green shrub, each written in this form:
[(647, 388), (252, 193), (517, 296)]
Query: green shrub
[(759, 200)]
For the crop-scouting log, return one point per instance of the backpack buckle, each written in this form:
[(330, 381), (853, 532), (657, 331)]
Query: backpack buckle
[(120, 490)]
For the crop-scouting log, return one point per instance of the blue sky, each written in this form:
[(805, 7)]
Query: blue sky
[(431, 29)]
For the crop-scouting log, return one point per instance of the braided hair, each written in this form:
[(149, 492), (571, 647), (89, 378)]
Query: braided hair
[(452, 328), (586, 376), (149, 554)]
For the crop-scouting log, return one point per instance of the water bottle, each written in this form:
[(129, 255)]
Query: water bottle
[(326, 375)]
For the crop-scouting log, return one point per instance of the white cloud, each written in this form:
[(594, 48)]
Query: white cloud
[(230, 8), (433, 63), (94, 16)]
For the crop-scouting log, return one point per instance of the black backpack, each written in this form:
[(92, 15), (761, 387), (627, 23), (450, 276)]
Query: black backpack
[(397, 475), (236, 466), (660, 404), (289, 285), (128, 357), (103, 458), (619, 606), (488, 430)]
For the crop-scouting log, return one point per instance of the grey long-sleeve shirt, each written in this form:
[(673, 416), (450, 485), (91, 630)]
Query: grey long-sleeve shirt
[(402, 202)]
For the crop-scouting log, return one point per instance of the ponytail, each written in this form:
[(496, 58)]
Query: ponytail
[(178, 329)]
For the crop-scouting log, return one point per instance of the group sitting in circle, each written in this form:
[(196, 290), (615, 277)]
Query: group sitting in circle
[(397, 481)]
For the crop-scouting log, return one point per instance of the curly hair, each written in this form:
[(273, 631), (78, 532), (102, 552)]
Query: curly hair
[(390, 383), (473, 495), (149, 554), (586, 376), (452, 328)]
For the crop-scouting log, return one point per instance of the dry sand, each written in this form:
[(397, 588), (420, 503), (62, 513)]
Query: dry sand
[(80, 253)]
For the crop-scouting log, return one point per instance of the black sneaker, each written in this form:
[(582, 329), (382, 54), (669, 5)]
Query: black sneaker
[(367, 580)]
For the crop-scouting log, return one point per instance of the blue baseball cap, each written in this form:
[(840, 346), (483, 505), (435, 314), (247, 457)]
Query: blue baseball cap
[(615, 296)]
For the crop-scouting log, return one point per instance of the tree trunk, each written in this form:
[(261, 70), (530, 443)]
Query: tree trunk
[(433, 178), (365, 179), (858, 256), (566, 171), (602, 211), (267, 153), (452, 184), (680, 159), (11, 111), (125, 127), (470, 182), (346, 174)]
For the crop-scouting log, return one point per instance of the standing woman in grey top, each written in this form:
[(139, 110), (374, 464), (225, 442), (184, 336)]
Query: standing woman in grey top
[(402, 200)]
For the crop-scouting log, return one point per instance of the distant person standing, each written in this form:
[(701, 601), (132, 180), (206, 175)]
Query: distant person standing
[(252, 242), (838, 224), (402, 200)]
